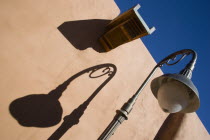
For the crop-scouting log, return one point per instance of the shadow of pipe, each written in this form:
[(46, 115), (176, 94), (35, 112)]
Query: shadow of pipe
[(73, 118), (170, 127), (44, 110), (83, 34)]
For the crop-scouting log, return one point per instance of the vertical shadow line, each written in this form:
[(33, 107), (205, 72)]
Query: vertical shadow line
[(170, 127), (73, 118)]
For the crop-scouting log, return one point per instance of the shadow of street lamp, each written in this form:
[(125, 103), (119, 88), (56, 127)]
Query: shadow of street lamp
[(174, 92)]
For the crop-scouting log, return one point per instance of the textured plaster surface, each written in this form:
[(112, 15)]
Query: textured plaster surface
[(35, 58)]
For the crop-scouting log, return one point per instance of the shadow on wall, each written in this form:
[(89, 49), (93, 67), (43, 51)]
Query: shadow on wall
[(44, 110), (83, 34), (170, 127)]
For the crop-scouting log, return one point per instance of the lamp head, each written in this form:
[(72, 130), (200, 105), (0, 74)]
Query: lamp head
[(175, 93)]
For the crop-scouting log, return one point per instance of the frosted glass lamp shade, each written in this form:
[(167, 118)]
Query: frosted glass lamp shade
[(175, 93), (172, 97)]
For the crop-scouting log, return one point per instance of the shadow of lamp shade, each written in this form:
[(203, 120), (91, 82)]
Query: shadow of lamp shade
[(40, 110), (125, 28)]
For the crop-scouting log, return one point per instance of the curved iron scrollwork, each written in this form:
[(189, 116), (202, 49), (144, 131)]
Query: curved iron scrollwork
[(173, 57), (167, 63)]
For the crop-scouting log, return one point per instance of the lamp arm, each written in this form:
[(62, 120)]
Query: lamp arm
[(187, 71), (172, 56), (123, 113)]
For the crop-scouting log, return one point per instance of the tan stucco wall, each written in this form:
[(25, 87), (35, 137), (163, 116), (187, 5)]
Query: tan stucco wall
[(180, 126), (35, 58)]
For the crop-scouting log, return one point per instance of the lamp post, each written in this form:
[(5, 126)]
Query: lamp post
[(174, 92)]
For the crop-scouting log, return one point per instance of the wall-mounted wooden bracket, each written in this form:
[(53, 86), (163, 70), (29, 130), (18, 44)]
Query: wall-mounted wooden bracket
[(125, 28)]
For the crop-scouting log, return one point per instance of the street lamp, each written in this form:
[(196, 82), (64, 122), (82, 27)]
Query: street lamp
[(174, 92)]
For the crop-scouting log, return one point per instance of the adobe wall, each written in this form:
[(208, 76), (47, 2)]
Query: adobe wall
[(40, 55)]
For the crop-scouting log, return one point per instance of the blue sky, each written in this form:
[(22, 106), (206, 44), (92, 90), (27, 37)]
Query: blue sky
[(180, 24)]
